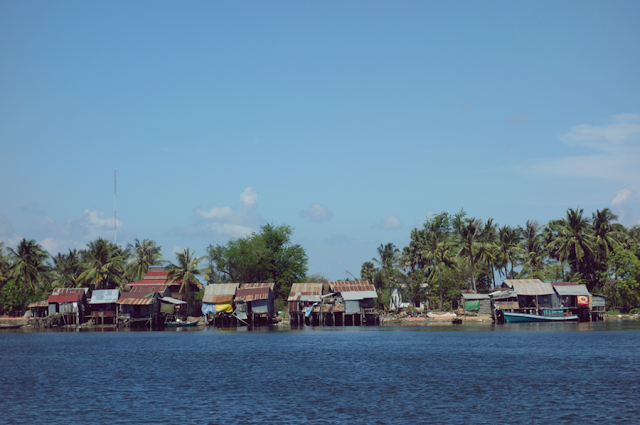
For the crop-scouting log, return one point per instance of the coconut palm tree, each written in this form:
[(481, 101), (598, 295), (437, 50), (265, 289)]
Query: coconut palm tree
[(387, 262), (608, 235), (534, 252), (29, 265), (438, 249), (104, 265), (572, 239), (185, 271), (469, 241), (67, 269), (510, 248), (5, 265), (144, 254)]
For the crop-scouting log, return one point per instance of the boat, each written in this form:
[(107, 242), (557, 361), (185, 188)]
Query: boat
[(547, 316), (10, 326), (182, 323)]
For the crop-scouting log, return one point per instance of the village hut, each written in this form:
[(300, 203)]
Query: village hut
[(39, 308), (575, 298), (476, 304), (70, 302), (159, 276), (359, 301), (597, 306), (103, 305), (302, 298), (217, 302), (258, 299), (142, 304)]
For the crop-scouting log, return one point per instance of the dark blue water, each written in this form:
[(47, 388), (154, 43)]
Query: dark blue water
[(527, 373)]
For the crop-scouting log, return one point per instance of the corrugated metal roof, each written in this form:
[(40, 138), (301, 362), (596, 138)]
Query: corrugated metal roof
[(358, 295), (572, 290), (501, 295), (554, 284), (216, 293), (104, 296), (532, 287), (172, 300), (253, 294), (351, 286), (73, 298), (43, 303), (475, 296), (269, 285), (311, 292), (135, 301), (148, 289), (509, 282), (151, 282)]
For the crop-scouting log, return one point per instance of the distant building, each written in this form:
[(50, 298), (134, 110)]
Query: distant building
[(103, 305)]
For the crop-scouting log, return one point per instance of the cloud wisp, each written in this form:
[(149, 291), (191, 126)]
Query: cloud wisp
[(317, 213), (391, 222)]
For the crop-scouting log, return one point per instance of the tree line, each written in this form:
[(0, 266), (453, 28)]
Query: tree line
[(29, 273), (453, 253)]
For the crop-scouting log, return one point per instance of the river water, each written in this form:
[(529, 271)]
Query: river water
[(470, 374)]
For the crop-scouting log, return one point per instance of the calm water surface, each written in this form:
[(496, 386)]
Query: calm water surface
[(516, 373)]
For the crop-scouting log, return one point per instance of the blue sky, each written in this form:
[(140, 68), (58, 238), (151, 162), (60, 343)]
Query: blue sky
[(350, 121)]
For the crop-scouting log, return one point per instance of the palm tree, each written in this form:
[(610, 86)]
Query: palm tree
[(67, 270), (145, 254), (104, 262), (608, 235), (510, 248), (489, 252), (469, 235), (5, 265), (186, 270), (572, 239), (533, 244), (438, 250), (29, 265), (389, 257)]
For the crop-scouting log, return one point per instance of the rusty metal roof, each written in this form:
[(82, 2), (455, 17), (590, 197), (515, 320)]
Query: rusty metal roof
[(69, 291), (253, 293), (554, 284), (298, 290), (216, 293), (147, 289), (269, 285), (352, 286), (135, 301), (43, 303), (509, 282), (69, 298)]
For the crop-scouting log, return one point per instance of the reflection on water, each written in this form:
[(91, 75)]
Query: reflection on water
[(473, 373)]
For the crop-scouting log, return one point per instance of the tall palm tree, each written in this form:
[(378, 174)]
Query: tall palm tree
[(29, 265), (5, 265), (437, 249), (185, 270), (387, 262), (104, 262), (144, 254), (534, 252), (572, 239), (510, 248), (469, 240), (67, 269), (608, 235), (489, 252)]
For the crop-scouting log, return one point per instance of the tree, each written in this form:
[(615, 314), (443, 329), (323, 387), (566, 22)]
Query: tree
[(510, 248), (469, 232), (534, 252), (29, 266), (268, 256), (622, 279), (572, 240), (104, 265), (387, 261), (67, 269), (144, 255), (186, 271)]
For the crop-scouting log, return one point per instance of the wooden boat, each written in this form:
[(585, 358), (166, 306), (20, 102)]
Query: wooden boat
[(10, 326), (178, 324), (511, 317)]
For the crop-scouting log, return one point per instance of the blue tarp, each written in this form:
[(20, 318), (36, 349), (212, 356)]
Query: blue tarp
[(208, 308)]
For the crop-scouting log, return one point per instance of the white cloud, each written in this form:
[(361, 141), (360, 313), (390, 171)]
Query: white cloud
[(615, 151), (222, 222), (249, 199), (621, 197), (50, 245), (317, 213), (176, 249), (216, 213), (391, 222)]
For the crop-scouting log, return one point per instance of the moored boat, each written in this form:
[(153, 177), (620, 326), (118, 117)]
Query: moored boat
[(10, 326), (176, 324), (510, 317)]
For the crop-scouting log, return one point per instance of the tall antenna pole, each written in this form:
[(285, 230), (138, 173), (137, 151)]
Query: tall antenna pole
[(115, 209)]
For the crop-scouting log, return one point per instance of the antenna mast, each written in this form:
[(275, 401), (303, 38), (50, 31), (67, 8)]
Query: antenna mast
[(115, 209)]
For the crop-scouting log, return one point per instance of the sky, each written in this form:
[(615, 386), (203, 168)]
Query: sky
[(351, 121)]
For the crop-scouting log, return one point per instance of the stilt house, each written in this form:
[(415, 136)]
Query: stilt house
[(258, 298), (302, 298), (103, 305), (359, 301), (70, 302), (39, 308), (218, 298)]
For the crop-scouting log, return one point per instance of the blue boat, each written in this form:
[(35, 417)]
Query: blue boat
[(548, 316)]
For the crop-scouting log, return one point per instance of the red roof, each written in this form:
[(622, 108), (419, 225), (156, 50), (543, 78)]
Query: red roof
[(352, 286), (151, 282), (254, 291), (64, 298)]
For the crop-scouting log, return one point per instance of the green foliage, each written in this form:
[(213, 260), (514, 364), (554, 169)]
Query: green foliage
[(281, 304), (622, 280), (186, 270), (103, 263), (268, 256), (144, 255)]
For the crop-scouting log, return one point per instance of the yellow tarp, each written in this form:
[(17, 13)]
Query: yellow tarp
[(166, 308), (225, 307)]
